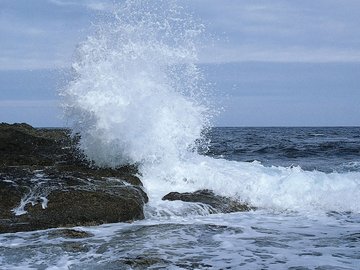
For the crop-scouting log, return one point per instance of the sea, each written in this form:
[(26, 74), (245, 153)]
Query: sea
[(304, 181), (137, 95)]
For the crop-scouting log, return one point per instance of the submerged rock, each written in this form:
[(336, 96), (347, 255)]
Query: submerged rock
[(144, 262), (45, 183), (218, 204), (70, 233)]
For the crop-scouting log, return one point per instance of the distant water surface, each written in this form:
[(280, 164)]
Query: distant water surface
[(327, 149)]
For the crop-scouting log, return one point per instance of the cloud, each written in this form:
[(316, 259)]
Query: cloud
[(37, 42), (62, 2), (281, 31), (44, 33), (100, 6), (89, 4)]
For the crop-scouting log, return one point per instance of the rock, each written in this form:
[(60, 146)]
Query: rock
[(21, 144), (144, 262), (49, 198), (218, 204), (74, 247), (45, 182), (70, 233)]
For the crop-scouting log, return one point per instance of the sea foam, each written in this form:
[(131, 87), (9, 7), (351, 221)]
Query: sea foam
[(277, 188)]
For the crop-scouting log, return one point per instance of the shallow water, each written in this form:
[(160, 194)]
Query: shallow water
[(177, 235), (255, 240)]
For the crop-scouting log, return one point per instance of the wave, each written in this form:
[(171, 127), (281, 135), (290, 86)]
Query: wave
[(137, 94), (277, 188), (138, 97)]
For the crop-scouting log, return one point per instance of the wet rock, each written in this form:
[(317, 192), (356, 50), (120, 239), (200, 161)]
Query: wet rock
[(21, 144), (70, 233), (39, 200), (45, 182), (218, 204), (10, 197), (75, 247), (144, 262)]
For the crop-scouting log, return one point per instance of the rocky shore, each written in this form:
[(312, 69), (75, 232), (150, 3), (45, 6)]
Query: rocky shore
[(45, 182)]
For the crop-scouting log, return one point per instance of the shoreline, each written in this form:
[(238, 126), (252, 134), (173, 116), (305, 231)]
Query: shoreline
[(46, 182)]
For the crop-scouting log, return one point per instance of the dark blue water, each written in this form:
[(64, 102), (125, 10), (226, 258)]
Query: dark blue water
[(327, 149)]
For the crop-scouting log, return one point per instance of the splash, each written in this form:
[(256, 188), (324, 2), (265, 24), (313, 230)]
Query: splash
[(138, 96), (275, 188)]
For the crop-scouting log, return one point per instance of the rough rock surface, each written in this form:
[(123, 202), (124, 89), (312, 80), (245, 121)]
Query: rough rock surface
[(45, 182), (218, 204)]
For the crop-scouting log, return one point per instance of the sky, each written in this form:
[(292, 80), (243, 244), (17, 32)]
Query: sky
[(271, 63)]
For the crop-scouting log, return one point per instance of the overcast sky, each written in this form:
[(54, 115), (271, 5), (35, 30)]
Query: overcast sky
[(277, 62)]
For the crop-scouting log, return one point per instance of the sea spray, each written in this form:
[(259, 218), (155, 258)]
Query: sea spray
[(137, 95)]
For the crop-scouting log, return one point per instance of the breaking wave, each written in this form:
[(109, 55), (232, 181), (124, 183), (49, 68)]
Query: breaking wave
[(138, 96)]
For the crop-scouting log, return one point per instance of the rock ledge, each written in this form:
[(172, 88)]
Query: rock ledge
[(45, 182)]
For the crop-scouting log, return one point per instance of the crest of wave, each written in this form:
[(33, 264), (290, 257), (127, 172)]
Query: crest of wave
[(137, 95)]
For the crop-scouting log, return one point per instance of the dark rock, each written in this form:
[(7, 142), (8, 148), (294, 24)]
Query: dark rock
[(218, 204), (144, 262), (51, 198), (70, 233), (45, 182), (10, 197), (75, 247), (21, 144)]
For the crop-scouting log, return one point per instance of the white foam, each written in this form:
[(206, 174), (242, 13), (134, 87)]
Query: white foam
[(36, 194), (138, 97), (250, 240), (135, 96), (281, 188)]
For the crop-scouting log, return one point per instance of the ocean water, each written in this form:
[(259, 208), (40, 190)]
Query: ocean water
[(286, 232), (138, 96), (326, 149)]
